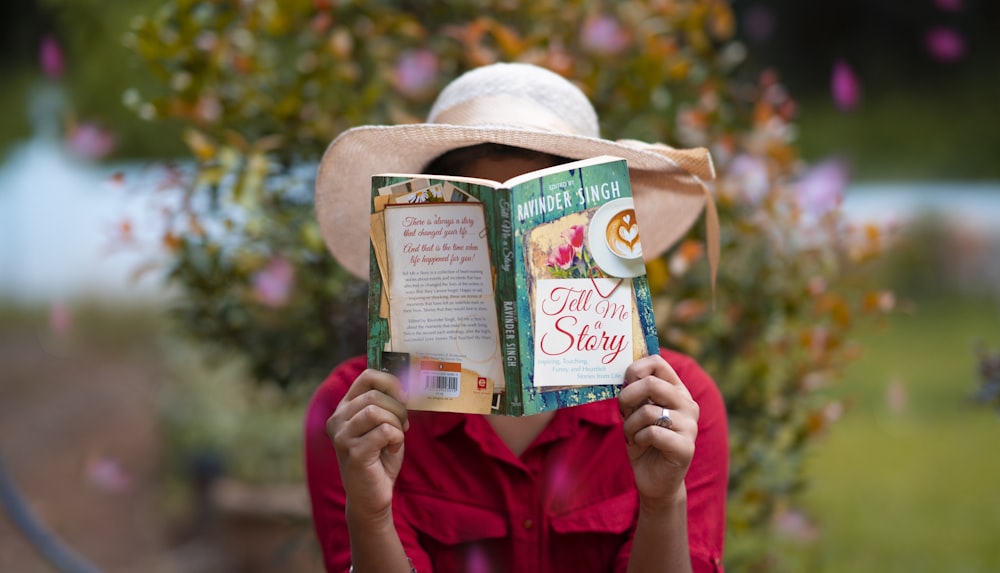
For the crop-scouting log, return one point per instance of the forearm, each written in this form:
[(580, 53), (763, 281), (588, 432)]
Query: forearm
[(660, 543), (375, 544)]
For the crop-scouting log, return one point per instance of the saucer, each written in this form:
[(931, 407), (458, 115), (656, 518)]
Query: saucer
[(612, 264)]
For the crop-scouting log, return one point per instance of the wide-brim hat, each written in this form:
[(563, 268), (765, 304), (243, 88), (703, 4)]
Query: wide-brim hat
[(519, 105)]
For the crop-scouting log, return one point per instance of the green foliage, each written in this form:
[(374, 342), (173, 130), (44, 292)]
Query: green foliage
[(98, 68), (209, 416), (264, 86)]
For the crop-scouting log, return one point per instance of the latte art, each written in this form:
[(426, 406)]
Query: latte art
[(622, 234)]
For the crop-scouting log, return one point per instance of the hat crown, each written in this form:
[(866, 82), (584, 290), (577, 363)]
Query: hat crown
[(516, 95)]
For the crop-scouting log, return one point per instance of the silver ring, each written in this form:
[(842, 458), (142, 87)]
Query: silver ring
[(664, 420)]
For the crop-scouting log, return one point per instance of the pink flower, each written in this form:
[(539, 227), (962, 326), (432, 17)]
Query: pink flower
[(208, 108), (950, 5), (796, 525), (896, 395), (60, 319), (416, 71), (90, 141), (821, 188), (50, 57), (604, 35), (845, 86), (107, 474), (273, 284), (750, 175), (944, 44), (574, 236), (562, 257)]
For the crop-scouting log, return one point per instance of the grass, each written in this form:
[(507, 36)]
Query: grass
[(914, 488)]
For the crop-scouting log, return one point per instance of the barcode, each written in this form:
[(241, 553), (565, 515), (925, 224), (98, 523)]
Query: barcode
[(443, 384)]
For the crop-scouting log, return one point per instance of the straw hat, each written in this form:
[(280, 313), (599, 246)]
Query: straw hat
[(520, 105)]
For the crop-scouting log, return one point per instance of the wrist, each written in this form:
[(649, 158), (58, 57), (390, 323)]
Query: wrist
[(663, 506), (368, 521), (408, 561), (375, 544)]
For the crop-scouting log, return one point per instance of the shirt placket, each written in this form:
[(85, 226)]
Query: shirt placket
[(527, 522)]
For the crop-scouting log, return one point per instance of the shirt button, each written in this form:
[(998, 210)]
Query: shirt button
[(528, 524)]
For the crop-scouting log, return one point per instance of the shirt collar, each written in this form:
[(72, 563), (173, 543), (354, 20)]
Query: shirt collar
[(568, 421)]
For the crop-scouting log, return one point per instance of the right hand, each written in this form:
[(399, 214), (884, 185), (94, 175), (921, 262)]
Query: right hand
[(367, 432)]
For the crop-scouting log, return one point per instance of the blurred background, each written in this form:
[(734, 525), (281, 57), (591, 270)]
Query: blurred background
[(167, 306)]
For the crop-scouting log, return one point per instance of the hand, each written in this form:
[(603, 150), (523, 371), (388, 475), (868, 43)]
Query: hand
[(660, 457), (367, 432)]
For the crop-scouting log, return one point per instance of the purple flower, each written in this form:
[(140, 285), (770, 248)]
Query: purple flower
[(604, 35), (944, 44), (416, 71), (273, 284), (50, 57), (844, 86), (821, 188)]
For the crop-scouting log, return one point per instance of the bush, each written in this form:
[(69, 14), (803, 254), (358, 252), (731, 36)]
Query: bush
[(262, 87)]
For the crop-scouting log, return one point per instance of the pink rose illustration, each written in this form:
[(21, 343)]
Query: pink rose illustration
[(562, 257), (574, 236)]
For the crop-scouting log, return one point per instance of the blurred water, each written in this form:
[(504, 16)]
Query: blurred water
[(973, 205), (59, 223), (59, 217)]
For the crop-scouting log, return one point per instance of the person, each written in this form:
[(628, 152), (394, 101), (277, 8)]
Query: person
[(600, 487)]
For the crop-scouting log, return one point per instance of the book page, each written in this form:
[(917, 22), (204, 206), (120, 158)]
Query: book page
[(440, 291)]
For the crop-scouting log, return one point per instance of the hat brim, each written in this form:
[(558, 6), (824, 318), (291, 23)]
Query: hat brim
[(666, 183)]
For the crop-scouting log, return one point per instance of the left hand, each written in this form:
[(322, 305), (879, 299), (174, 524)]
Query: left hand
[(660, 457)]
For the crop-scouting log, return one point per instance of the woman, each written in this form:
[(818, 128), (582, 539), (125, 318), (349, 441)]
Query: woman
[(602, 487)]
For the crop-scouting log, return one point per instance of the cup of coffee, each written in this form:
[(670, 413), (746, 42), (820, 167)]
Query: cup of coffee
[(622, 235)]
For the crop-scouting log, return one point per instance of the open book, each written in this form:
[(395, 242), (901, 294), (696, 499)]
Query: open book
[(508, 298)]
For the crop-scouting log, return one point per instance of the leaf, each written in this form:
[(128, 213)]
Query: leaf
[(267, 143), (236, 140), (203, 148)]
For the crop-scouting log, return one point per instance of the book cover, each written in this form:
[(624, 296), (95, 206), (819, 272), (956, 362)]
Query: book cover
[(508, 298)]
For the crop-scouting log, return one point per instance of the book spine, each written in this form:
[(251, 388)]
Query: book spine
[(506, 299)]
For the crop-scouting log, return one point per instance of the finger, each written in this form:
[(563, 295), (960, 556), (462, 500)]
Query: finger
[(654, 365), (377, 399), (375, 426), (376, 380), (648, 414), (677, 448), (656, 391), (368, 447)]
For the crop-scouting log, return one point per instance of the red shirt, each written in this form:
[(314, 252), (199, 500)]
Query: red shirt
[(464, 502)]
